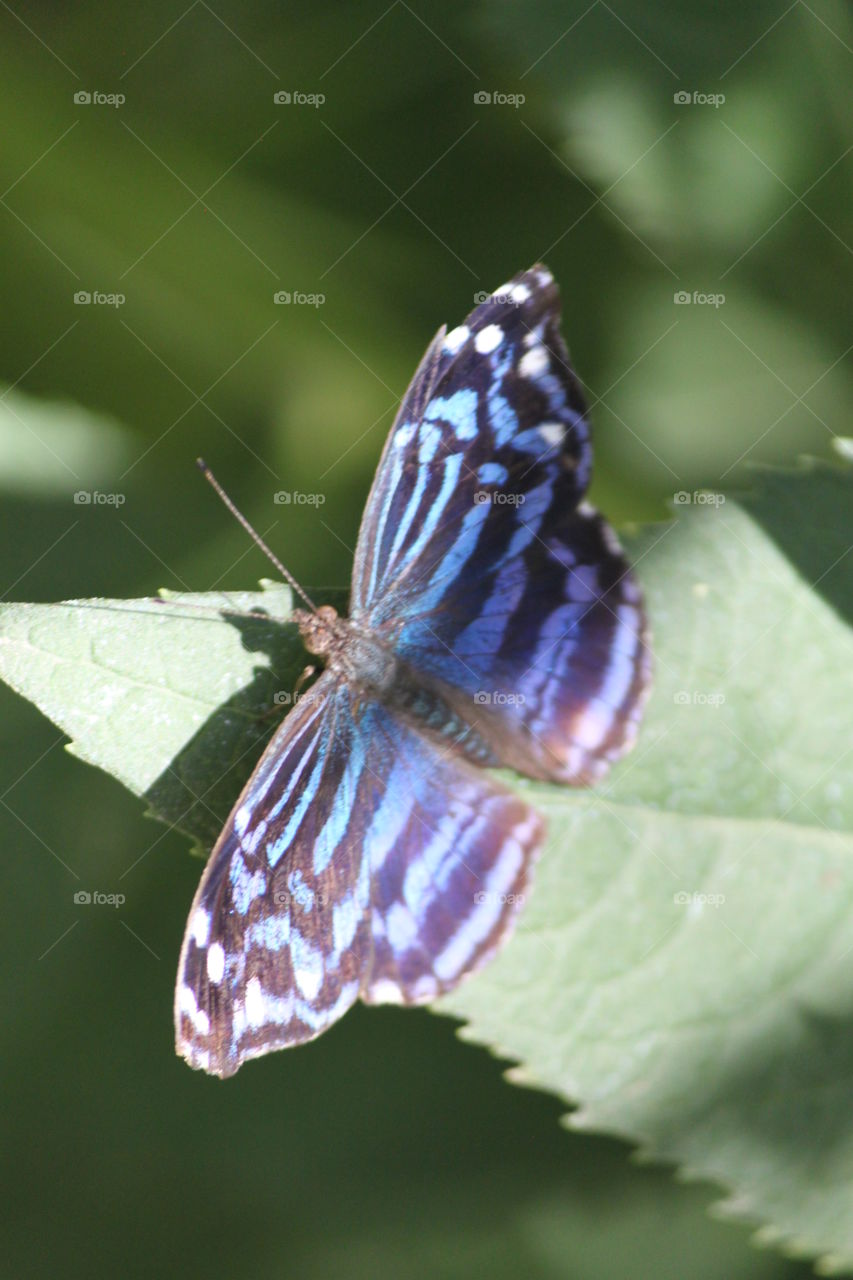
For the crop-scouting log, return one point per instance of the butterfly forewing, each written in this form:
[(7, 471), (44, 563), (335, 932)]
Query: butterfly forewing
[(481, 563), (494, 408), (279, 932)]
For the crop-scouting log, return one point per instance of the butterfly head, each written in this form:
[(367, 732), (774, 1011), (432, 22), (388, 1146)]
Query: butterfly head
[(323, 632)]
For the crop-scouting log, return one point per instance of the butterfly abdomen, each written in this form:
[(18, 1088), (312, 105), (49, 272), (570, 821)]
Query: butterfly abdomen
[(434, 715)]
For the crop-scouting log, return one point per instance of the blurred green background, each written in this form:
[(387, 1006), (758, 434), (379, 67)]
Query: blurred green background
[(658, 151)]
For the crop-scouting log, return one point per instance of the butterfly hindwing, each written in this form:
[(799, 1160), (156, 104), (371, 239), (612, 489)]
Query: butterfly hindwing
[(451, 852)]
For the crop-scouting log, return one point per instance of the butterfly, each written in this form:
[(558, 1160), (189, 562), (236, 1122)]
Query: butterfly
[(493, 622)]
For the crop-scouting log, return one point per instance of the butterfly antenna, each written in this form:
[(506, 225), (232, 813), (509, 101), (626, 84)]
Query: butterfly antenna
[(253, 533)]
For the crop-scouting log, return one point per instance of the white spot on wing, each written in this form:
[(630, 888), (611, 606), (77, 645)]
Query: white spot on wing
[(309, 981), (534, 362), (215, 962), (610, 540), (519, 293), (425, 988), (552, 432), (200, 926), (403, 435), (384, 991), (345, 918), (456, 338), (254, 1002), (489, 338), (198, 1017)]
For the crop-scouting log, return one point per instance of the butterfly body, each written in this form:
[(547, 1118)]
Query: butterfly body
[(493, 621)]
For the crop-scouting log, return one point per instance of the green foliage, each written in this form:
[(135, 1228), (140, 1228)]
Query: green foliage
[(681, 974)]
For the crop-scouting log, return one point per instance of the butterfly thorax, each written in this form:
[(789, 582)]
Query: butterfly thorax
[(347, 648), (355, 652)]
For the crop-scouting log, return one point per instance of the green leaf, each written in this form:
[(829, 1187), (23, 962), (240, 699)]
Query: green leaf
[(169, 695), (815, 539), (683, 972)]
